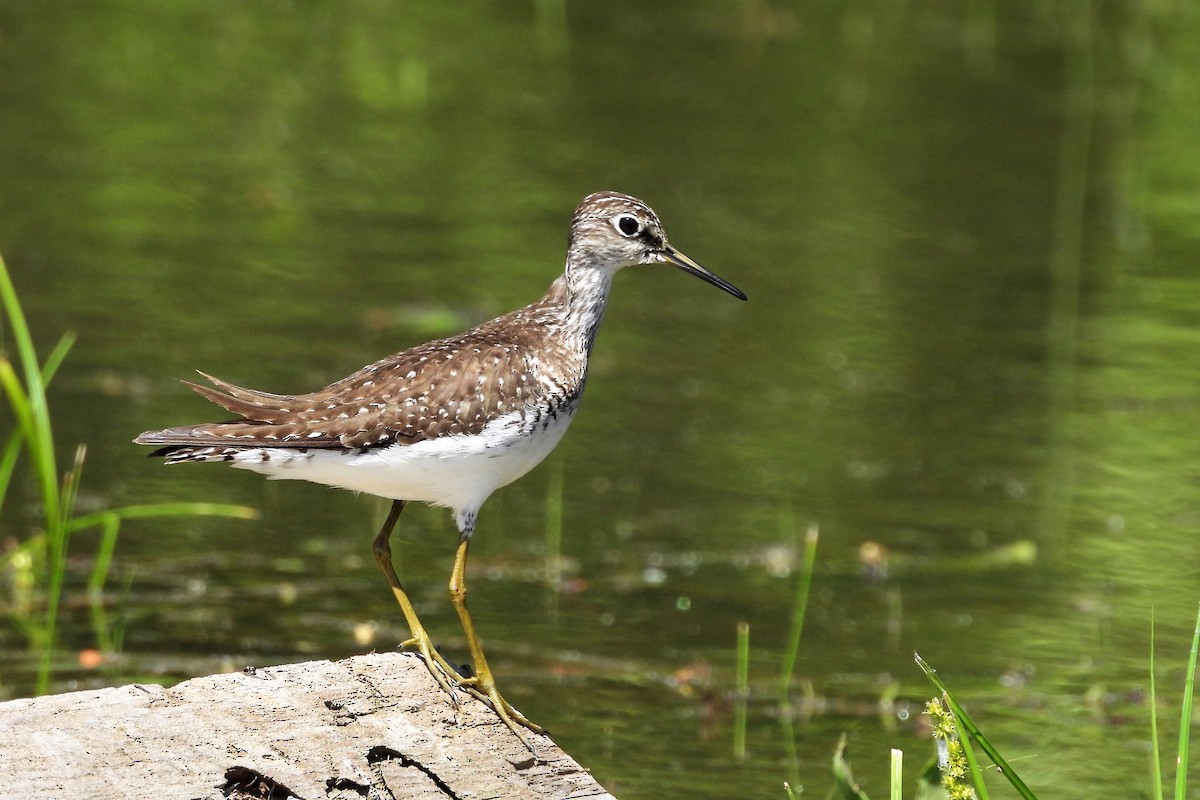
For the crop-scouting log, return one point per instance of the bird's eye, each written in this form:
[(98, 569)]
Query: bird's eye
[(628, 225)]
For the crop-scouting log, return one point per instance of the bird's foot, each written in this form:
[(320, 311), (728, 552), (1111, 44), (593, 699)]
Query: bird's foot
[(441, 669), (485, 690), (449, 678)]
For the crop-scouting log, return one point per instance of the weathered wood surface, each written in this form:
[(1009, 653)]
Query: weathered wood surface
[(374, 726)]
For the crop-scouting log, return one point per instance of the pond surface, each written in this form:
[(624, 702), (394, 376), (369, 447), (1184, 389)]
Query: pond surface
[(969, 233)]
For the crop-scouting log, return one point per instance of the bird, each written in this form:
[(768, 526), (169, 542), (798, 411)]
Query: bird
[(447, 422)]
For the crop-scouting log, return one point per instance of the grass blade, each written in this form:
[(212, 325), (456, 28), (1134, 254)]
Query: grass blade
[(1185, 717), (799, 609), (897, 774), (743, 690), (106, 639), (40, 442), (104, 555), (843, 777), (12, 446), (164, 510), (1155, 754), (968, 726), (8, 461), (969, 752)]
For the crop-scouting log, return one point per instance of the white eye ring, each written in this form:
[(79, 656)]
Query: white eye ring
[(627, 225)]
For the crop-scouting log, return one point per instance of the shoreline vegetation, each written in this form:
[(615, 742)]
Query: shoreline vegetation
[(36, 566)]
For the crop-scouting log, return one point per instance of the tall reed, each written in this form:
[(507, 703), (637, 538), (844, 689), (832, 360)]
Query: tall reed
[(38, 565)]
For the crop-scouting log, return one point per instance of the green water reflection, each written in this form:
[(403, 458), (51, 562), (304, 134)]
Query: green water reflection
[(968, 233)]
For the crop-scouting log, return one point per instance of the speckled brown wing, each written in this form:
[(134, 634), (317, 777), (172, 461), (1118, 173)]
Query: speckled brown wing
[(444, 387), (447, 387)]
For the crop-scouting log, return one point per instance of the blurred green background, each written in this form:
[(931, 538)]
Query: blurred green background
[(969, 233)]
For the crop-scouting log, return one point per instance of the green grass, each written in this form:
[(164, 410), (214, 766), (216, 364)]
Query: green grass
[(36, 567), (791, 653), (799, 610), (896, 774), (742, 690), (1155, 754), (1185, 718)]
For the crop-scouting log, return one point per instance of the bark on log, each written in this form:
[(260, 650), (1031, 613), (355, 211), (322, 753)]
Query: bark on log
[(374, 726)]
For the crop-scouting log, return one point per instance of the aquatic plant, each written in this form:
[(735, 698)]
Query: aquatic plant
[(36, 566)]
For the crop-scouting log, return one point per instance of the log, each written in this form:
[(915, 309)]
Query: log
[(374, 726)]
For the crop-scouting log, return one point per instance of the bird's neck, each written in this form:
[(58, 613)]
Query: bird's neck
[(587, 291)]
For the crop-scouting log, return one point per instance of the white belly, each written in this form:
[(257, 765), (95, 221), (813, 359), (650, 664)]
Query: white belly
[(457, 472)]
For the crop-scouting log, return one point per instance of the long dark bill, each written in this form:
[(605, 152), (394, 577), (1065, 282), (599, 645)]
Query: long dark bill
[(692, 268)]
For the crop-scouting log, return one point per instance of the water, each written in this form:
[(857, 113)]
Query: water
[(968, 237)]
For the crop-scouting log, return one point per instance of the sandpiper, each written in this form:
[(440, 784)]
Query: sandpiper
[(450, 421)]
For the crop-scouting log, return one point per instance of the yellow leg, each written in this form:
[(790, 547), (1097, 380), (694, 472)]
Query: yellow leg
[(441, 670), (485, 685)]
